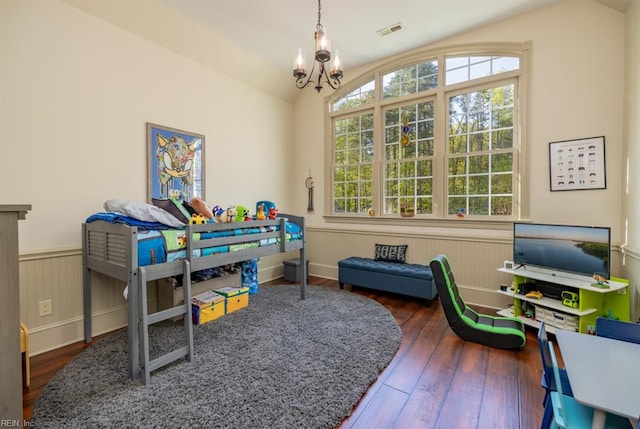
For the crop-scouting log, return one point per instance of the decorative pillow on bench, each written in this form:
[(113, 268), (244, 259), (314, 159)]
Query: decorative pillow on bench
[(391, 253)]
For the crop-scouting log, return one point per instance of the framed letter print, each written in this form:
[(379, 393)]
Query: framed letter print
[(175, 163), (577, 164)]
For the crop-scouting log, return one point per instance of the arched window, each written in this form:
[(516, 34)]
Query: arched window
[(435, 136)]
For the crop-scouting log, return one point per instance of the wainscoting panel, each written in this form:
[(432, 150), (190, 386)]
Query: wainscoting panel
[(475, 256), (57, 276), (474, 259)]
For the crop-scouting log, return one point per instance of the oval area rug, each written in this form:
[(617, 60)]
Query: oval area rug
[(279, 363)]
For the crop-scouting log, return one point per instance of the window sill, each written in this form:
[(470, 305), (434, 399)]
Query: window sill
[(506, 224)]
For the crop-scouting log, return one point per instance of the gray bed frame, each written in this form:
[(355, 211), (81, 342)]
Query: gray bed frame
[(112, 249)]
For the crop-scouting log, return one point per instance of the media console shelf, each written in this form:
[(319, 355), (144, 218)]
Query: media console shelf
[(609, 299)]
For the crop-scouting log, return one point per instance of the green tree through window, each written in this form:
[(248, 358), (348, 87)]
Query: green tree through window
[(405, 140), (480, 152)]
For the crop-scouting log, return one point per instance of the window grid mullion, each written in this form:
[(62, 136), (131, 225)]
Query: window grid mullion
[(481, 121)]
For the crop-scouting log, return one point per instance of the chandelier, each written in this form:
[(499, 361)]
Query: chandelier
[(322, 57)]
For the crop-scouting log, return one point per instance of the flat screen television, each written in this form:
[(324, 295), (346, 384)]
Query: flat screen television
[(583, 250)]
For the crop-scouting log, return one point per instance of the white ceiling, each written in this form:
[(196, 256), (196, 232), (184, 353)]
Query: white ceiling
[(274, 29)]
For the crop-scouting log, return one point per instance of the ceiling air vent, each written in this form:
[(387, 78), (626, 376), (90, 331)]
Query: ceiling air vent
[(390, 29)]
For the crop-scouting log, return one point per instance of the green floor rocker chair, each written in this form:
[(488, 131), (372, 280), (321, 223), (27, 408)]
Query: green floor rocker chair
[(493, 331)]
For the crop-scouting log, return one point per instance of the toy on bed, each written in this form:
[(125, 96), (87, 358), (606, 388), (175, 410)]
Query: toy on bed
[(197, 219), (273, 213), (266, 206), (232, 213), (260, 214), (227, 215), (242, 214), (201, 207), (263, 208)]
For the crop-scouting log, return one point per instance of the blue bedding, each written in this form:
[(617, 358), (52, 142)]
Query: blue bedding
[(158, 243), (113, 217)]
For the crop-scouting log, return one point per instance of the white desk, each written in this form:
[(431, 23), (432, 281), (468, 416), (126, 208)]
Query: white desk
[(604, 374)]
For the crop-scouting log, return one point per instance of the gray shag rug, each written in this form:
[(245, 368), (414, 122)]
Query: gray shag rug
[(279, 363)]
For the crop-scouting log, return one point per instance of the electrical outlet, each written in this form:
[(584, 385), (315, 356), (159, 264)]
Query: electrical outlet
[(44, 308)]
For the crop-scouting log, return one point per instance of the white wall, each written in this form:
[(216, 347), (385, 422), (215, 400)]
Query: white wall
[(77, 95), (77, 92), (576, 91)]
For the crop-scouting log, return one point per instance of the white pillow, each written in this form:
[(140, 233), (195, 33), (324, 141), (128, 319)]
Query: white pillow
[(142, 211)]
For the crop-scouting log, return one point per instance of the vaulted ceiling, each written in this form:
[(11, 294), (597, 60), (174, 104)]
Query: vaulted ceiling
[(271, 31)]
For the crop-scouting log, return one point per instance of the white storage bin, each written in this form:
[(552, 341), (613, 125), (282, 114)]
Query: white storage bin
[(557, 319)]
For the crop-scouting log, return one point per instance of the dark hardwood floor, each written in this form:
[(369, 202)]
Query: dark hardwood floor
[(435, 380)]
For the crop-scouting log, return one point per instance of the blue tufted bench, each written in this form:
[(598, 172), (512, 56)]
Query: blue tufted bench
[(406, 279)]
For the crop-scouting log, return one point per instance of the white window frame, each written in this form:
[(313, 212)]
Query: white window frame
[(439, 216)]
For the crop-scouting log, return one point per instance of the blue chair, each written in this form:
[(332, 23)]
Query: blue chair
[(569, 413), (618, 330), (548, 382)]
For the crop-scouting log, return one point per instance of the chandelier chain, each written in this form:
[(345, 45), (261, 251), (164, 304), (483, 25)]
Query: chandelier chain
[(319, 26)]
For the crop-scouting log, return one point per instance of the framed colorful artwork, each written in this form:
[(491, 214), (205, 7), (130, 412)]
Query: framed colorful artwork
[(175, 163), (577, 164)]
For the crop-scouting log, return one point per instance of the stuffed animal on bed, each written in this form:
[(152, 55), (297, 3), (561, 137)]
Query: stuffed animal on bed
[(242, 213), (273, 213), (217, 211), (201, 207), (266, 206), (227, 215), (232, 213), (260, 215), (197, 219)]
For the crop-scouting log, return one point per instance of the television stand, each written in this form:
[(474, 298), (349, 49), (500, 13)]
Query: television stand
[(577, 313)]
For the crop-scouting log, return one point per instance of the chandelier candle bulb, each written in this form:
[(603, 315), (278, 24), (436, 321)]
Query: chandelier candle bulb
[(323, 50), (336, 70), (300, 64)]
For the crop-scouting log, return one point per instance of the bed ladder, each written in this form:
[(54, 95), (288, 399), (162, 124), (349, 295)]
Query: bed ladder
[(147, 274)]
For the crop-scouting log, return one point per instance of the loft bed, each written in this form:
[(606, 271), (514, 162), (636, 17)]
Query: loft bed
[(121, 251)]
